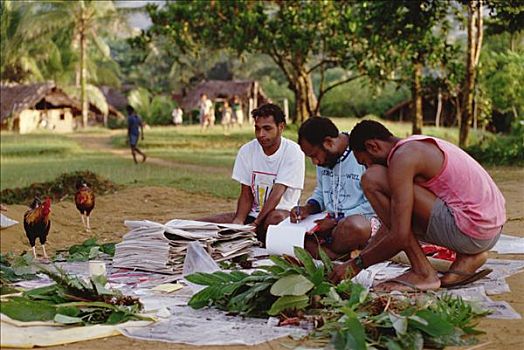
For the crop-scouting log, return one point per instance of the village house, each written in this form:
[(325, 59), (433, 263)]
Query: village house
[(44, 106)]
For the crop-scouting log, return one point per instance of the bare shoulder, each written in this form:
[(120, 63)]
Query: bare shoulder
[(424, 157)]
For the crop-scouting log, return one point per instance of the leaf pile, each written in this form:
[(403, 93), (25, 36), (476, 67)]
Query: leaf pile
[(351, 318), (73, 301), (63, 185), (90, 249), (14, 269)]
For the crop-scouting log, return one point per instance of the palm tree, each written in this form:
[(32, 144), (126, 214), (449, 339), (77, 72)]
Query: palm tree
[(80, 26)]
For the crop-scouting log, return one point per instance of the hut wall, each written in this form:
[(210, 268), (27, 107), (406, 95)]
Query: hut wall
[(59, 120), (28, 120)]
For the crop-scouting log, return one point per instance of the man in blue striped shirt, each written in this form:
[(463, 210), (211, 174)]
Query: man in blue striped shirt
[(350, 219)]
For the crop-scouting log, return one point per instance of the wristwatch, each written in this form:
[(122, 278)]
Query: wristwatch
[(359, 262)]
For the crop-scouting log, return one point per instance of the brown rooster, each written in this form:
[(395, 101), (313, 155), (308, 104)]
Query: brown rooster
[(85, 202), (37, 223)]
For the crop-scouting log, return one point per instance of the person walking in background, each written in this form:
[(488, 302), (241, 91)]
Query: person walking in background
[(177, 115), (227, 112), (135, 128), (238, 114), (206, 108)]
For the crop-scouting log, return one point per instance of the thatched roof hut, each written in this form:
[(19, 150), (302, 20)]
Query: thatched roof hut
[(16, 99), (225, 89)]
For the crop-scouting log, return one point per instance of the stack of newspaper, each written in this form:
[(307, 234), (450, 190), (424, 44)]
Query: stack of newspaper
[(152, 246)]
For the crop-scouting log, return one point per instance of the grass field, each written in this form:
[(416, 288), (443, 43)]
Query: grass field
[(26, 159)]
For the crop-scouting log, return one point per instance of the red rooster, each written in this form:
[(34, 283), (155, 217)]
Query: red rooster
[(85, 202), (37, 223)]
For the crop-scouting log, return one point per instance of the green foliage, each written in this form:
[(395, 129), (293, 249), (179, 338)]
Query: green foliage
[(500, 149), (353, 319), (285, 287), (501, 75), (73, 301), (64, 184), (90, 249), (154, 110)]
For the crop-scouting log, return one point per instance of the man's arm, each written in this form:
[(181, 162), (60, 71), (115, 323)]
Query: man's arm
[(271, 203), (401, 173), (142, 128), (244, 204)]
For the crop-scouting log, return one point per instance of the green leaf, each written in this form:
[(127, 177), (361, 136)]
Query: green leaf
[(322, 289), (436, 326), (93, 252), (22, 309), (328, 264), (64, 319), (291, 285), (400, 323), (288, 302), (279, 261), (354, 334), (306, 259)]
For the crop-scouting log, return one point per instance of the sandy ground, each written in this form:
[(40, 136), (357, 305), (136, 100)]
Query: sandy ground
[(161, 204)]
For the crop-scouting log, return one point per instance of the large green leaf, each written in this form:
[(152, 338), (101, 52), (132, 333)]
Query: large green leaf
[(328, 264), (436, 326), (22, 309), (291, 285), (306, 259), (288, 302)]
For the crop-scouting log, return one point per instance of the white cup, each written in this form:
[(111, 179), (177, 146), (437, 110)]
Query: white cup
[(97, 268)]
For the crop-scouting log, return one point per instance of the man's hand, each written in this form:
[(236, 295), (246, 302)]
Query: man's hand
[(343, 271), (298, 213), (323, 226), (142, 137)]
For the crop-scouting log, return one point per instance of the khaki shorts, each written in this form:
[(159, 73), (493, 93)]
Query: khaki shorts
[(443, 231)]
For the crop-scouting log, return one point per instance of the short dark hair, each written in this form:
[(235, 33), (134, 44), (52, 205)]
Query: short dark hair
[(367, 130), (130, 109), (267, 110), (315, 129)]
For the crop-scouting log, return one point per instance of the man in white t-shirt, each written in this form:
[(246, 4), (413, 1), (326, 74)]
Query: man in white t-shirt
[(206, 111), (270, 170)]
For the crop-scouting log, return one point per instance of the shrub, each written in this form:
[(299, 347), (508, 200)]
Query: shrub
[(497, 149)]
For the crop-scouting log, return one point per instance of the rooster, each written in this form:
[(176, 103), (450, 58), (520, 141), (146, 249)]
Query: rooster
[(37, 223), (85, 202)]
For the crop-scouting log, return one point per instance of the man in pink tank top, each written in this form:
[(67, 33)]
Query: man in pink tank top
[(424, 189)]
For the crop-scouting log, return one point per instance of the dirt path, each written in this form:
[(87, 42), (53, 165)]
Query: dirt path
[(162, 204)]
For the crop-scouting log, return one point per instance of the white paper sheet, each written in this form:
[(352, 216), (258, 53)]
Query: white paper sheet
[(282, 238), (6, 222), (509, 245), (500, 310)]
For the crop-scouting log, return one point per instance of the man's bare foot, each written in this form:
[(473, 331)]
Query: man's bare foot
[(466, 265), (144, 158), (409, 282)]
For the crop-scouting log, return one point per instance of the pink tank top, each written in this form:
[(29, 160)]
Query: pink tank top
[(477, 204)]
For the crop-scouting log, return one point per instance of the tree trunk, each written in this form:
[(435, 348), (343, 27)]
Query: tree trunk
[(83, 97), (417, 99), (473, 53), (305, 98), (439, 109)]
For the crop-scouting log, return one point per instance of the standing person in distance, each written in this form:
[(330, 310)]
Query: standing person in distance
[(135, 129)]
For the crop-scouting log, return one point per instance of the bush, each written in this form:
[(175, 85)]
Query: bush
[(499, 149), (63, 185)]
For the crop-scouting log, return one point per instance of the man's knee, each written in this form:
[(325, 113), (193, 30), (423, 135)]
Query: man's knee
[(374, 178), (275, 217), (356, 228)]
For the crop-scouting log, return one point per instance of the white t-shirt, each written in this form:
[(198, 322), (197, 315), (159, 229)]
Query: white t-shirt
[(259, 171)]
